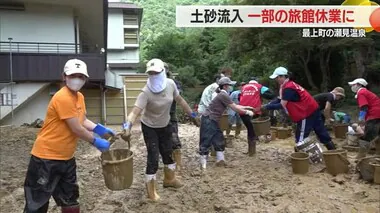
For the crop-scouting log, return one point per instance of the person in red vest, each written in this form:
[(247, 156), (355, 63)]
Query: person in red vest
[(301, 108), (369, 115), (251, 95)]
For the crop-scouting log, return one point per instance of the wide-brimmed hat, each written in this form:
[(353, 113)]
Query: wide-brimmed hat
[(339, 91)]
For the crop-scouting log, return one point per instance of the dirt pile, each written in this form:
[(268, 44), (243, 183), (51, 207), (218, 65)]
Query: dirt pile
[(263, 183)]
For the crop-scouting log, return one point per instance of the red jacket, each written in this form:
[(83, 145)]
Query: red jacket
[(303, 108), (250, 95), (366, 97)]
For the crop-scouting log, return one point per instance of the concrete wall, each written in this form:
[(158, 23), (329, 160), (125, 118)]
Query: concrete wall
[(38, 23), (35, 108)]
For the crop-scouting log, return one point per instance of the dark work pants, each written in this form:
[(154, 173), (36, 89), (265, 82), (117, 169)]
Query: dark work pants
[(175, 138), (247, 120), (210, 135), (371, 130), (46, 178), (157, 141), (313, 122), (323, 116)]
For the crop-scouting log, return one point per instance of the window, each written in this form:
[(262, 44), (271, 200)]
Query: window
[(6, 99), (130, 19), (130, 36)]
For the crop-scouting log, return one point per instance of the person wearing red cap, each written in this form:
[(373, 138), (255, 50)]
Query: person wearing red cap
[(301, 108), (369, 115)]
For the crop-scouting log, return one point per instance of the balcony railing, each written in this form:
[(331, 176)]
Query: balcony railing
[(43, 47)]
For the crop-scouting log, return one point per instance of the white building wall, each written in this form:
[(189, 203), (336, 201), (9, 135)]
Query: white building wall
[(23, 92), (126, 56), (115, 29), (38, 23), (36, 108)]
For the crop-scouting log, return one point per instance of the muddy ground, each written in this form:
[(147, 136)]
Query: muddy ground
[(264, 183)]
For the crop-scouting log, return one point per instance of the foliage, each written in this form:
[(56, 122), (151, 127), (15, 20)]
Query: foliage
[(318, 64)]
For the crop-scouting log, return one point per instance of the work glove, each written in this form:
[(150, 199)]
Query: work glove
[(103, 131), (249, 113), (195, 119), (126, 135), (101, 144)]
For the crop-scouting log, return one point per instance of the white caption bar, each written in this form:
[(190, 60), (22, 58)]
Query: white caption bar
[(274, 16)]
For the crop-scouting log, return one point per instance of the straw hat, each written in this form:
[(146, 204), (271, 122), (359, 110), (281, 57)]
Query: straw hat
[(339, 91)]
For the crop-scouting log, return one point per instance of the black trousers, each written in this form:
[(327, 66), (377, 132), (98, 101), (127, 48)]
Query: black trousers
[(247, 120), (157, 141), (46, 178), (176, 142), (371, 130)]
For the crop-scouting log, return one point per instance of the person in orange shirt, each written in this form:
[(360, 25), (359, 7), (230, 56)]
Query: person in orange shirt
[(52, 166)]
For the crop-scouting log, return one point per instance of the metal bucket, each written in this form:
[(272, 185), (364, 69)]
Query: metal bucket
[(117, 165), (311, 146), (261, 126), (336, 161), (340, 130)]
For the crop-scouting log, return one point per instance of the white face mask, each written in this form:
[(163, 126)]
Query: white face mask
[(355, 88), (157, 83), (75, 84)]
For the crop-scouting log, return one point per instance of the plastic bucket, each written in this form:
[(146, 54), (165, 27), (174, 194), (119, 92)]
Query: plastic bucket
[(340, 130), (117, 165), (376, 175), (366, 168), (261, 126), (336, 161), (283, 133), (300, 162)]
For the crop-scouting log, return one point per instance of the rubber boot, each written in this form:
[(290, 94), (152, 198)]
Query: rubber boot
[(228, 130), (220, 162), (330, 146), (177, 159), (237, 131), (70, 209), (170, 179), (203, 162), (251, 147), (363, 149), (151, 187), (376, 141)]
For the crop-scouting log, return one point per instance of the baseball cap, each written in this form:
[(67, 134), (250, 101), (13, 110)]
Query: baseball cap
[(155, 65), (75, 66), (361, 81), (226, 80), (279, 71)]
